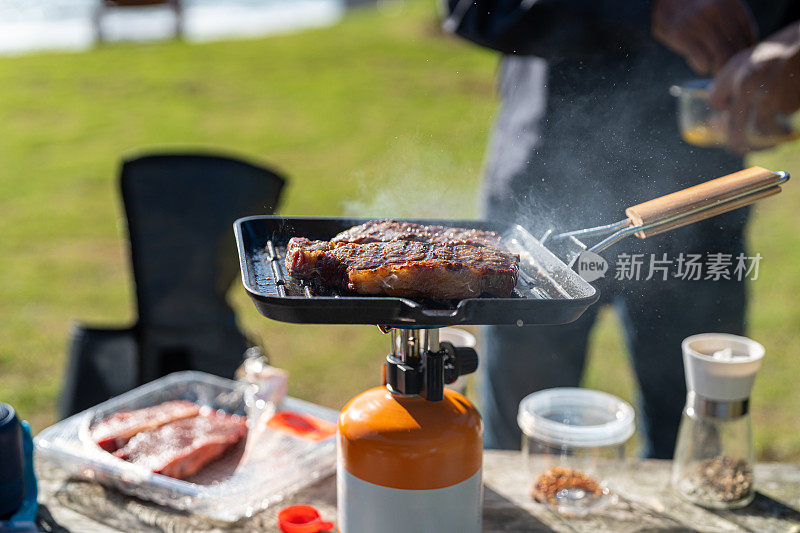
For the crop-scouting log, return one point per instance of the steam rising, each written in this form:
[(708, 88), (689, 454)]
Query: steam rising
[(417, 182), (420, 181)]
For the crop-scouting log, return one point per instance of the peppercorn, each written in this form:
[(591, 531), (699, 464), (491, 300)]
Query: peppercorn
[(721, 479), (559, 478)]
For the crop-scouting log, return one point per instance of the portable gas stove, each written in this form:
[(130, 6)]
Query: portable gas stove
[(410, 451)]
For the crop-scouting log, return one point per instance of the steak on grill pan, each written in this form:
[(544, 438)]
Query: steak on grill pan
[(396, 230), (407, 268)]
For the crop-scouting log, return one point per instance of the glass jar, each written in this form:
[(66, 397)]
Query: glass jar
[(705, 126), (714, 454), (572, 439)]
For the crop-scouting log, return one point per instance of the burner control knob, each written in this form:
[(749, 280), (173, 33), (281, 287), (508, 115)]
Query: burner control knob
[(466, 360), (458, 361)]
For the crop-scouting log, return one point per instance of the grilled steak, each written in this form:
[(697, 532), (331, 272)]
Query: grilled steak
[(113, 432), (395, 230), (405, 268), (181, 448)]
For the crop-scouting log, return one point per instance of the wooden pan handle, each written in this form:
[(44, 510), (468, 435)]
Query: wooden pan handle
[(712, 197)]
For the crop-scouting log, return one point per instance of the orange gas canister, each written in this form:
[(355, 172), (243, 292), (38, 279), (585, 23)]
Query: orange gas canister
[(410, 452)]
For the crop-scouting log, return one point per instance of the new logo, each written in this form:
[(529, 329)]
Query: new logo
[(591, 266)]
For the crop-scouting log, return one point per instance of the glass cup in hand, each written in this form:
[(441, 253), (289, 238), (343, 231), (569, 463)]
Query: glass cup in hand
[(705, 126)]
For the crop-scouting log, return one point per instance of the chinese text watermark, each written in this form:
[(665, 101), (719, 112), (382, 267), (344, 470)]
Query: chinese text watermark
[(689, 267)]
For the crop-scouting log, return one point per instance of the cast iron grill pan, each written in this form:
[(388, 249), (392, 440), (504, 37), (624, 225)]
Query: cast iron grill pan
[(548, 292)]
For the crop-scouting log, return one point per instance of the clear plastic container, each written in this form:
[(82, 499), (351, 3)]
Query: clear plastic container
[(705, 126), (572, 438), (271, 465)]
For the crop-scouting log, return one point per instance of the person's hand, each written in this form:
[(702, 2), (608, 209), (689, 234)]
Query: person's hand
[(757, 84), (707, 33)]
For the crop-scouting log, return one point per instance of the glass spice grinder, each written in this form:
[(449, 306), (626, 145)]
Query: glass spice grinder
[(713, 464)]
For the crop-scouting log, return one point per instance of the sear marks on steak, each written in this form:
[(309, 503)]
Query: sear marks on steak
[(181, 448), (114, 432), (405, 268), (395, 230)]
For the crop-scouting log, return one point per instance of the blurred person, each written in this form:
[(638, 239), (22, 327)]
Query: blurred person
[(586, 127), (760, 82)]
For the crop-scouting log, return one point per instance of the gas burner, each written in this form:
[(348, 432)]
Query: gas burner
[(419, 364)]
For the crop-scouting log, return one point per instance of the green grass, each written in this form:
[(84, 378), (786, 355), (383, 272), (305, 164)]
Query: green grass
[(380, 98)]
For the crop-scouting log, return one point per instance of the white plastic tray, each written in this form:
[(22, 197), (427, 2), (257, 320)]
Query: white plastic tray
[(230, 488)]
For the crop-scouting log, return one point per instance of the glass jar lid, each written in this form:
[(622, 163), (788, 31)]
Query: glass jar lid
[(571, 416)]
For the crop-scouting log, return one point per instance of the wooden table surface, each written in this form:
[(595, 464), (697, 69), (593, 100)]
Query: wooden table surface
[(646, 504)]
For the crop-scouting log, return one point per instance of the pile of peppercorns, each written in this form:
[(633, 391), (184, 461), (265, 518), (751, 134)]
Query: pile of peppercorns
[(721, 479), (559, 478)]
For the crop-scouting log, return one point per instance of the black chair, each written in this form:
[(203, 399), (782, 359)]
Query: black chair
[(179, 209)]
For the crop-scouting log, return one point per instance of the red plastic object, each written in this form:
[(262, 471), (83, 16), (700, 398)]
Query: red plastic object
[(302, 425), (302, 519)]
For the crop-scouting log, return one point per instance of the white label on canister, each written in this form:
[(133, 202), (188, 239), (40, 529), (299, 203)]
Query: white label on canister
[(368, 508)]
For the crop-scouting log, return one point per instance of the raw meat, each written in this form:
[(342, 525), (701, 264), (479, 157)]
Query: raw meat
[(115, 431), (181, 448)]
